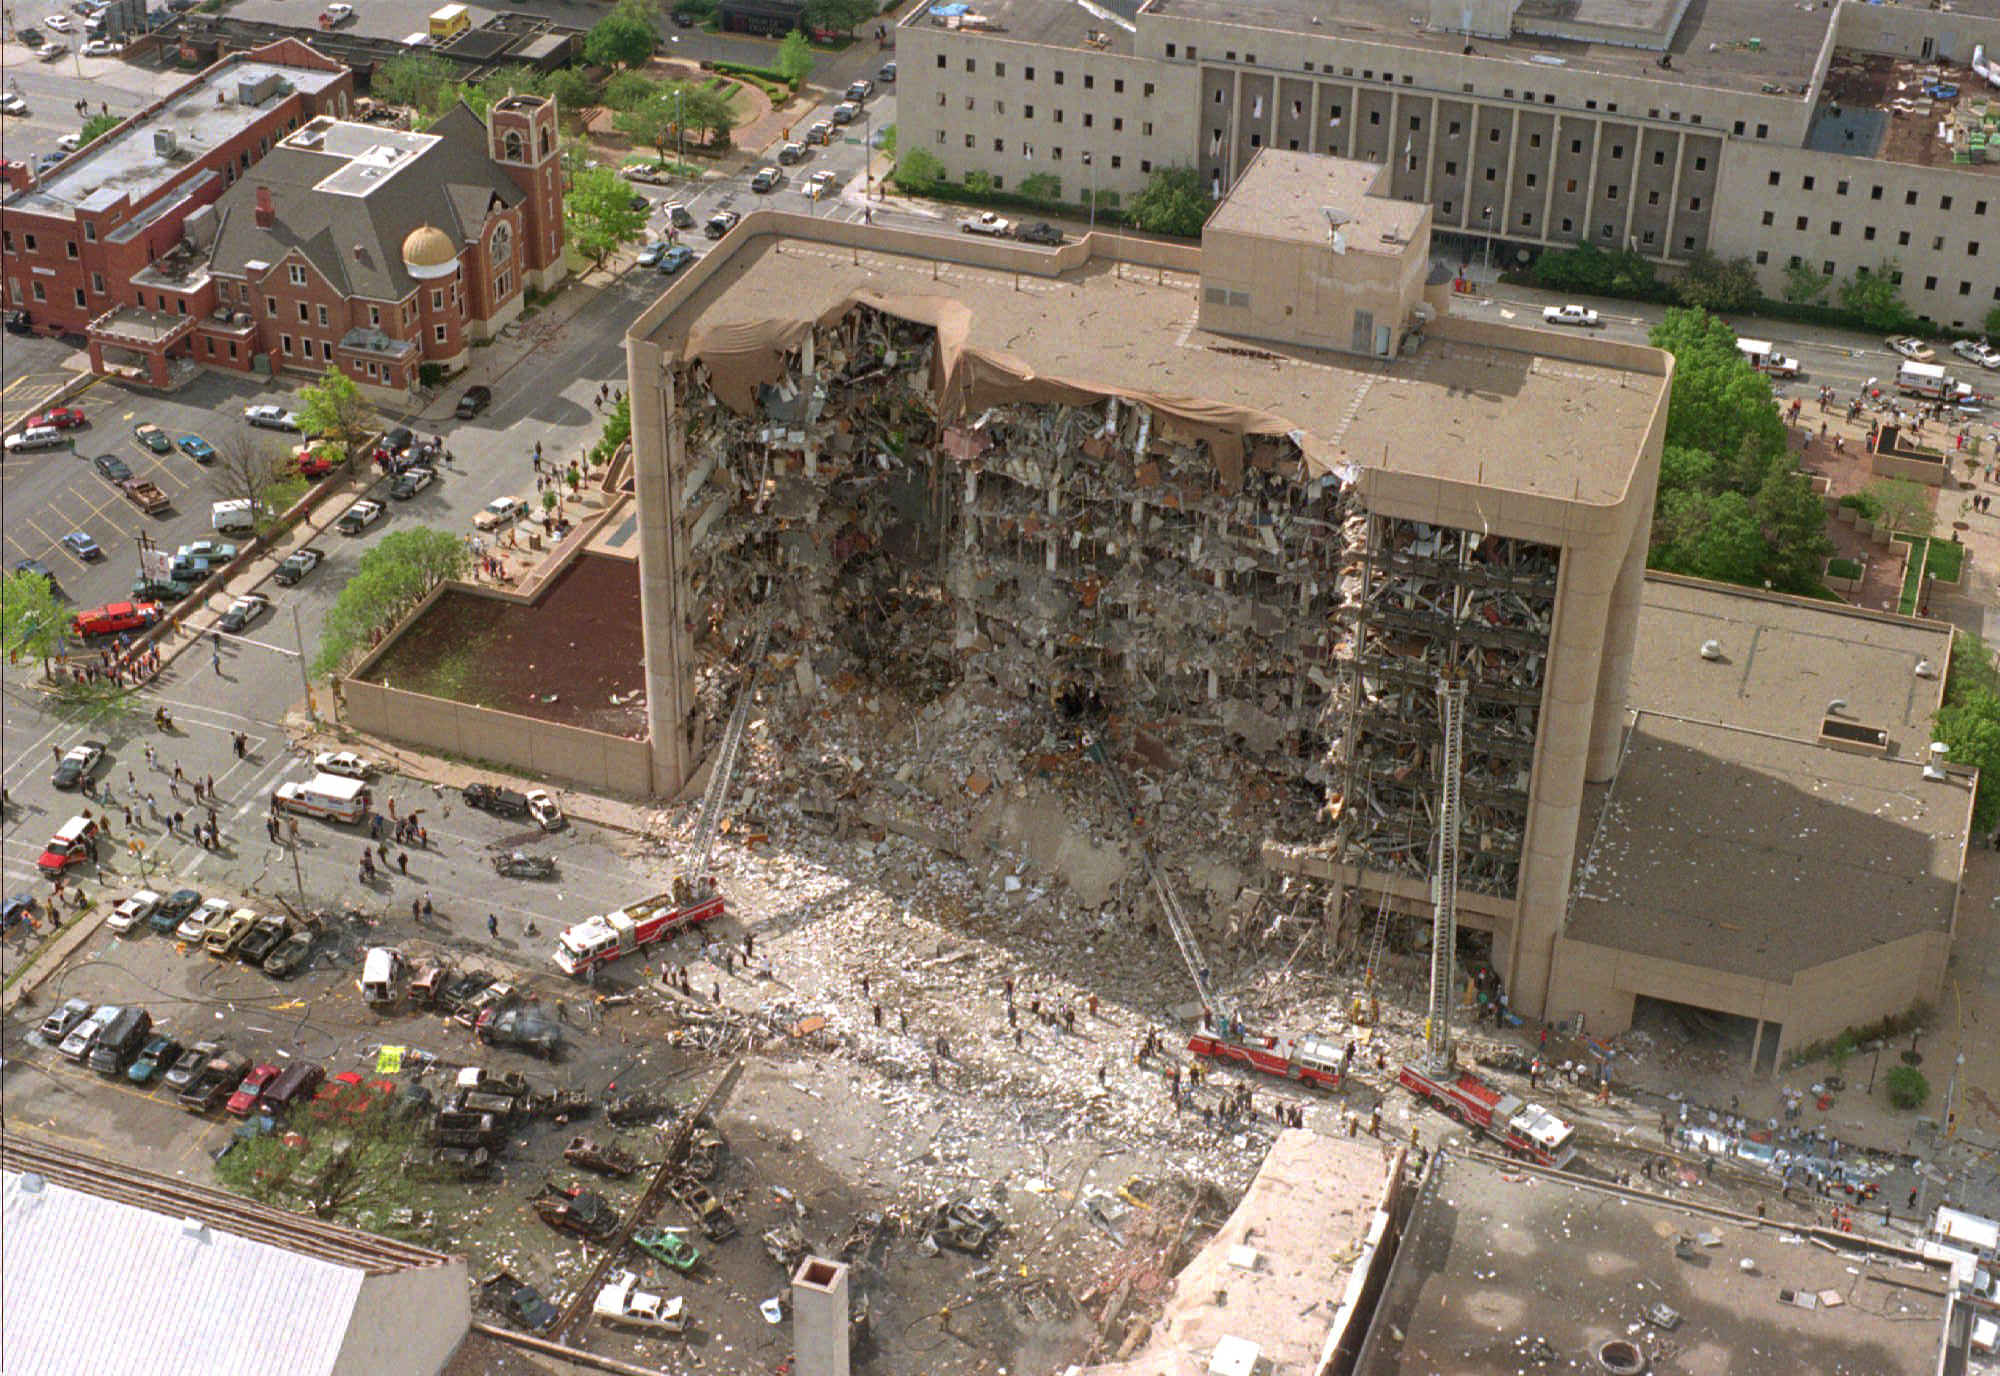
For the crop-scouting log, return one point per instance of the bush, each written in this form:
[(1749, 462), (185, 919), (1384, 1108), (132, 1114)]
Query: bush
[(1865, 503), (770, 74), (1588, 269), (1908, 1089), (430, 374), (1843, 568)]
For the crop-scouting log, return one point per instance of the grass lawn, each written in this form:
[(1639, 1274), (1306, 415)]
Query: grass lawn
[(1843, 568), (1942, 559)]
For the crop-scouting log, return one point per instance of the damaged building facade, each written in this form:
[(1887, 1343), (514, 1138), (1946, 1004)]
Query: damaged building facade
[(1231, 512)]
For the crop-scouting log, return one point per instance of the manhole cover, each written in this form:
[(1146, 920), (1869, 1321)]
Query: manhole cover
[(1621, 1358)]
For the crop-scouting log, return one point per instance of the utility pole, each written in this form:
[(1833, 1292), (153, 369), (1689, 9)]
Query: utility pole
[(1090, 161), (1487, 216), (305, 680), (680, 134)]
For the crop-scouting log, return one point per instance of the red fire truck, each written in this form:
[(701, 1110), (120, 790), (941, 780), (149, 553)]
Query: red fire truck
[(1283, 1055), (1525, 1129), (614, 935)]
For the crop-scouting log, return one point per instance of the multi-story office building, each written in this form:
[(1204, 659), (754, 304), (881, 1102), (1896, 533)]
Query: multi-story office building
[(1779, 133)]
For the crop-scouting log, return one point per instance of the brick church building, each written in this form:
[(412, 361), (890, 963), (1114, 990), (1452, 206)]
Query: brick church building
[(244, 222)]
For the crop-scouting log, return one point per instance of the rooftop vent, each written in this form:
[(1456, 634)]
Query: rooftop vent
[(1852, 735), (1925, 669), (194, 1228), (165, 143), (31, 1183)]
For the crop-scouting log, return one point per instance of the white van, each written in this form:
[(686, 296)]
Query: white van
[(37, 437), (327, 795), (238, 516), (381, 970)]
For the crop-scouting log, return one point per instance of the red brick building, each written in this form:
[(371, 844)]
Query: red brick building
[(244, 223)]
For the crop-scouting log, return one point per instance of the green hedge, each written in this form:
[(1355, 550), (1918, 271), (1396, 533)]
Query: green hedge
[(958, 193), (1843, 568), (770, 74)]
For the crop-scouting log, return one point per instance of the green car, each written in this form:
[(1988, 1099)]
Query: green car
[(668, 1246), (153, 437), (165, 590)]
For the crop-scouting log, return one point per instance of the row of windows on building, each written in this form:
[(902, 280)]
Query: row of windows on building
[(1028, 112), (1028, 74), (1117, 160), (1803, 223), (1609, 107), (1841, 187), (1828, 267)]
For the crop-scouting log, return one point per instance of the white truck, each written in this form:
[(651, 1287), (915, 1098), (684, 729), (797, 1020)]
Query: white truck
[(1931, 382), (1765, 357)]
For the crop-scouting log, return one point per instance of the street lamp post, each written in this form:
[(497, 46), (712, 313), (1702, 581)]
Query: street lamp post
[(1486, 216), (680, 134), (1090, 161)]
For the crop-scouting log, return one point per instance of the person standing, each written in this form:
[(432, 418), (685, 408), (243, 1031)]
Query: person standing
[(492, 925)]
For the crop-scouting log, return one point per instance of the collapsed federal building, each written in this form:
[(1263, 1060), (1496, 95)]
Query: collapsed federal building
[(1230, 512)]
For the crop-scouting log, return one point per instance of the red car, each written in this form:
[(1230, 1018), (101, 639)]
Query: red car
[(61, 417), (347, 1094), (314, 462), (251, 1090), (113, 617), (75, 843)]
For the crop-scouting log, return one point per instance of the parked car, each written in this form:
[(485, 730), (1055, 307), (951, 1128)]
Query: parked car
[(649, 256), (36, 437), (985, 222), (122, 1040), (173, 910), (188, 1064), (153, 438), (859, 90), (766, 179), (264, 938), (60, 418), (111, 467), (820, 182), (197, 448), (583, 1212), (501, 802), (38, 569), (721, 222), (223, 937), (1569, 315), (133, 910), (821, 133), (82, 1038), (1040, 232), (290, 957), (251, 1089), (214, 551), (668, 1246), (243, 611), (298, 564), (345, 763), (270, 417), (65, 1020), (677, 215), (213, 1082), (886, 74), (155, 1058), (1977, 351), (315, 460), (846, 112), (78, 763), (113, 617), (12, 103), (621, 1301), (162, 590), (411, 481), (75, 841), (473, 401), (523, 1304), (791, 153), (358, 518), (675, 258), (194, 927), (1910, 347), (82, 546), (294, 1084), (519, 1027), (501, 511)]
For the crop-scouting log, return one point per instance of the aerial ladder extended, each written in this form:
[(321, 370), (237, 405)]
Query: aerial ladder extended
[(1221, 1036), (724, 772)]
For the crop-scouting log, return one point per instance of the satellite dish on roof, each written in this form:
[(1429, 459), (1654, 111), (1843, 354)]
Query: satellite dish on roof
[(1335, 218)]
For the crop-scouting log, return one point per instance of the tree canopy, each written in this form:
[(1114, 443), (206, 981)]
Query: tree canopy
[(598, 214), (411, 78), (391, 578), (1872, 295), (650, 121), (97, 126), (334, 407), (1173, 201), (795, 58), (1969, 722), (839, 16), (32, 620), (1715, 283), (1731, 506), (623, 38)]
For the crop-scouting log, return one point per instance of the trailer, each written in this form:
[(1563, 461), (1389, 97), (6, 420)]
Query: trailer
[(615, 935), (1309, 1060), (1524, 1129)]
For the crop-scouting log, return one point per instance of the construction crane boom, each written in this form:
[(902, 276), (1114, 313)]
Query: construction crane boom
[(1444, 877), (1177, 921), (724, 772)]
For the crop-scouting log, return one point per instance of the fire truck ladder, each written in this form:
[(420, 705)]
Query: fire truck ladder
[(724, 772), (1444, 879), (1177, 921)]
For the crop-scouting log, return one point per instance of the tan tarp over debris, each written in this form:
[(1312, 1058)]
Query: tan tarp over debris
[(740, 356)]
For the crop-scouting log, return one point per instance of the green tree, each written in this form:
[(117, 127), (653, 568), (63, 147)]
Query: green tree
[(1873, 296), (598, 214), (1719, 404), (1711, 537), (1042, 186), (919, 171), (1972, 730), (795, 59), (838, 16), (1905, 504), (1589, 270), (410, 78), (1908, 1089), (32, 620), (572, 87), (620, 39), (391, 578), (1173, 201), (342, 1158), (628, 90), (1993, 324), (885, 139), (1715, 283), (979, 182), (250, 468), (1793, 521), (1804, 284), (334, 407), (96, 127), (1972, 671), (652, 122), (708, 114)]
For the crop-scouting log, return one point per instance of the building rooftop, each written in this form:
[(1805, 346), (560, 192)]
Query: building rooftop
[(208, 112), (1732, 837), (96, 1254), (1505, 416), (1303, 1219), (1096, 25), (1742, 45), (1285, 195), (1873, 105), (1504, 1268)]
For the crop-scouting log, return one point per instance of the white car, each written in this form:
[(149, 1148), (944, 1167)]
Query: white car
[(132, 911), (195, 925), (13, 104), (345, 763), (985, 222), (622, 1301), (102, 47), (543, 809), (819, 183), (59, 23), (499, 512), (337, 14), (1977, 351), (1910, 347), (1569, 315), (271, 417), (69, 143), (358, 518), (243, 611)]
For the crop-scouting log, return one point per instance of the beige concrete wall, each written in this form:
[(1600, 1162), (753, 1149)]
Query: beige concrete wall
[(409, 1321), (1282, 290), (1901, 30)]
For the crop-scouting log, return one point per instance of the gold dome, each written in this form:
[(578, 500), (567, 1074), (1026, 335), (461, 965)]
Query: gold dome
[(429, 247)]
